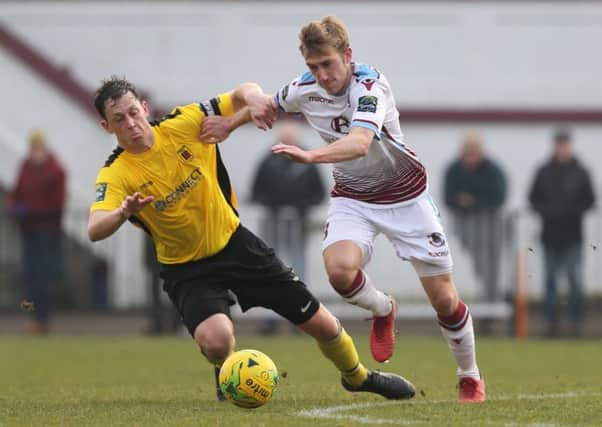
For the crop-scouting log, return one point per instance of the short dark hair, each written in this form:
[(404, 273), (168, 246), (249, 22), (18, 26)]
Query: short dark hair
[(112, 88), (562, 135)]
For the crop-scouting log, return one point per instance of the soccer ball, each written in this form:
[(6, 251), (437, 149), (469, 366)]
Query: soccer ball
[(248, 378)]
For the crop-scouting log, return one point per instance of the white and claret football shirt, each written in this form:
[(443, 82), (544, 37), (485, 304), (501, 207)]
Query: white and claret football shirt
[(390, 173), (193, 214)]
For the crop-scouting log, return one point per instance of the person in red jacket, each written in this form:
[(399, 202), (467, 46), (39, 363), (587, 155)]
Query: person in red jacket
[(37, 202)]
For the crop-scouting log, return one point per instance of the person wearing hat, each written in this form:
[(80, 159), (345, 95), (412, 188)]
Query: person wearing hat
[(36, 202), (561, 194), (475, 189)]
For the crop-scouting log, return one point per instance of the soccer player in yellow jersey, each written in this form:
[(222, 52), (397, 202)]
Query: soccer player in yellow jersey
[(165, 179)]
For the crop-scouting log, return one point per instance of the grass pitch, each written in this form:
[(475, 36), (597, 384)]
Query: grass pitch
[(60, 381)]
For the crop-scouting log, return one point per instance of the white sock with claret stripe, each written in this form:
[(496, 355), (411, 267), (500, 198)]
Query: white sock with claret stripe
[(363, 294), (458, 331)]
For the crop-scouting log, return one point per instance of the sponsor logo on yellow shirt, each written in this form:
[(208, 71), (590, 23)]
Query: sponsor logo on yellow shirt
[(180, 192)]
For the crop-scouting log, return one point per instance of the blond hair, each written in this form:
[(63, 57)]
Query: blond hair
[(37, 138), (316, 36)]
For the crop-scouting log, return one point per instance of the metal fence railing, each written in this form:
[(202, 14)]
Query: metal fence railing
[(93, 276), (115, 273)]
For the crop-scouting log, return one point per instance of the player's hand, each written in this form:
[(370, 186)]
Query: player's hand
[(215, 129), (263, 110), (133, 204), (293, 152)]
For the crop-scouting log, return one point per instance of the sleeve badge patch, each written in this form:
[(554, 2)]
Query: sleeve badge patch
[(101, 191), (185, 153), (367, 104)]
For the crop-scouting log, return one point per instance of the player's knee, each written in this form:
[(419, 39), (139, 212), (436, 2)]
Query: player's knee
[(341, 275), (216, 350), (216, 344), (445, 303)]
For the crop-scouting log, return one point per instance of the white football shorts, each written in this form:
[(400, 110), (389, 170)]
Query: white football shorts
[(414, 229)]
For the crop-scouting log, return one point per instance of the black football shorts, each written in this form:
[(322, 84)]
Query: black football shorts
[(247, 268)]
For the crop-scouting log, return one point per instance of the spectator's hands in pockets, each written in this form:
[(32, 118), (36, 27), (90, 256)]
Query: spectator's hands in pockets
[(17, 210), (465, 200)]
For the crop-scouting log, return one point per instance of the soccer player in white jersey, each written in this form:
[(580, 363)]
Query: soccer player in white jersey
[(380, 187)]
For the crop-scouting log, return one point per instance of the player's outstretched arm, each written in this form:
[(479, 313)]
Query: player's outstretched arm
[(250, 104), (215, 129), (102, 224), (352, 146), (262, 107)]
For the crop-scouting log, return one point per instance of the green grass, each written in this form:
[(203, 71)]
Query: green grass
[(164, 381)]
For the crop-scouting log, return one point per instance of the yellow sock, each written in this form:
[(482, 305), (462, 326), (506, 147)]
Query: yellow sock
[(341, 351)]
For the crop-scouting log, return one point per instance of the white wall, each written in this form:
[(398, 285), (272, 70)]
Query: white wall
[(450, 53), (436, 54)]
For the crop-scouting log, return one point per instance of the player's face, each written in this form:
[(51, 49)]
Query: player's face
[(331, 70), (127, 119)]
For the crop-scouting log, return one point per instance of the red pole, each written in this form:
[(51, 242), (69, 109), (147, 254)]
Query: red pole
[(521, 306)]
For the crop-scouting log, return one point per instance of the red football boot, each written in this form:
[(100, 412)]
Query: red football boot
[(382, 335), (472, 390)]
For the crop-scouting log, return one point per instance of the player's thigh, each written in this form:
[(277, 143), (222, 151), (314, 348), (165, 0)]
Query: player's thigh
[(259, 278), (196, 301), (416, 233), (348, 220), (285, 295)]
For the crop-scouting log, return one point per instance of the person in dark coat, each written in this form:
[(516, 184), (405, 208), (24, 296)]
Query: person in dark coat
[(37, 202), (287, 190), (475, 189), (561, 194)]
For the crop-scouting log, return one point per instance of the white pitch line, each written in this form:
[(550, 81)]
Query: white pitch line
[(334, 412)]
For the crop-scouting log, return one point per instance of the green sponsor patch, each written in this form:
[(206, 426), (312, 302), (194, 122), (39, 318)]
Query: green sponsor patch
[(367, 104), (101, 191)]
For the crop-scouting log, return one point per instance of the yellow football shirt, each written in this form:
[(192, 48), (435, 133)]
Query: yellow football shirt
[(193, 212)]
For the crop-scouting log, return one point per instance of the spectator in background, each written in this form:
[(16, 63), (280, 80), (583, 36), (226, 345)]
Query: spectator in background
[(37, 202), (475, 190), (561, 194), (287, 190)]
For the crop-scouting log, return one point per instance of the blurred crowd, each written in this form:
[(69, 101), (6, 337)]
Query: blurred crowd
[(475, 190), (560, 194)]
